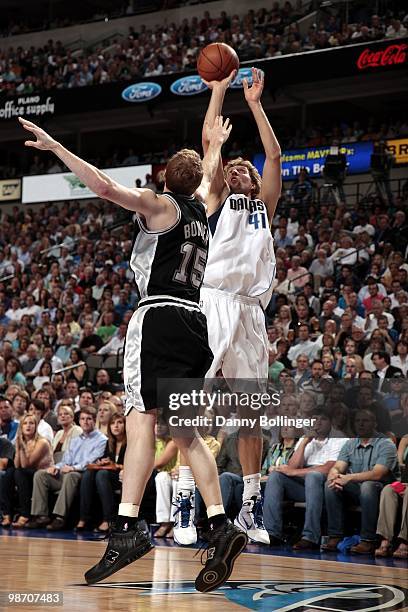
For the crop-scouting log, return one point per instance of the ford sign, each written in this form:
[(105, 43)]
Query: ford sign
[(243, 73), (188, 86), (141, 92)]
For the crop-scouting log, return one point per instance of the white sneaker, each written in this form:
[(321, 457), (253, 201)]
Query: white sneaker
[(184, 532), (250, 520)]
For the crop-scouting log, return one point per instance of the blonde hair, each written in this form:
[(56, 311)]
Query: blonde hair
[(253, 173), (67, 407), (112, 411), (20, 437), (184, 172)]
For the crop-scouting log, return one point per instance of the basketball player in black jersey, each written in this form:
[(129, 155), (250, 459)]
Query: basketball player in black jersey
[(167, 338)]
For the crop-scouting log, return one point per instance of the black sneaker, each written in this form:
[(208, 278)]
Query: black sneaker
[(123, 548), (224, 545)]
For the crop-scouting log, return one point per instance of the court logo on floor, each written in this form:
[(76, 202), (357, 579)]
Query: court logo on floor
[(281, 596)]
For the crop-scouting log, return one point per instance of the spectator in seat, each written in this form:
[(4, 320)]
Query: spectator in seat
[(302, 372), (30, 359), (65, 348), (314, 383), (58, 385), (105, 412), (400, 360), (367, 399), (20, 404), (90, 342), (37, 409), (303, 480), (103, 383), (33, 452), (6, 481), (8, 425), (384, 370), (47, 396), (279, 453), (107, 328), (48, 355), (44, 375), (64, 477), (364, 466), (106, 481), (393, 497), (68, 431), (72, 392), (116, 343), (86, 398), (80, 371), (303, 345), (13, 374)]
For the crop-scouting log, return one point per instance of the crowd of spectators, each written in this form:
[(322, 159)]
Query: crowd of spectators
[(312, 136), (151, 52), (78, 13), (338, 331)]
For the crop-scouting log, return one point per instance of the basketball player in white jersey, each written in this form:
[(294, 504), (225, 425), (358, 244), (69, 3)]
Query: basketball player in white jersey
[(238, 282)]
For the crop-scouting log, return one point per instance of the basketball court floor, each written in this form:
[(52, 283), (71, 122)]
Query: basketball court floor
[(263, 579)]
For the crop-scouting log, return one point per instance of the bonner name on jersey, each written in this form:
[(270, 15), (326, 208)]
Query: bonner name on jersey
[(244, 203), (196, 229)]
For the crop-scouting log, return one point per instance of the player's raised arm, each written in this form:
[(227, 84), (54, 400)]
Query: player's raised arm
[(219, 187), (218, 133), (143, 201), (272, 174)]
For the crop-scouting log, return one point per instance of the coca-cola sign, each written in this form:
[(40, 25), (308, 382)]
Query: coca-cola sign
[(390, 56)]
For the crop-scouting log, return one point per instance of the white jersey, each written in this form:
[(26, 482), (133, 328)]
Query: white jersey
[(241, 258)]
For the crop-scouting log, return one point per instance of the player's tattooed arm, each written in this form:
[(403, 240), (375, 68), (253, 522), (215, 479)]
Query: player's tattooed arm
[(218, 134), (272, 172), (143, 201), (219, 188)]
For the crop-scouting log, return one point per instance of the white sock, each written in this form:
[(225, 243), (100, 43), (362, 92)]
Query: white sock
[(252, 487), (186, 482), (131, 510), (214, 510)]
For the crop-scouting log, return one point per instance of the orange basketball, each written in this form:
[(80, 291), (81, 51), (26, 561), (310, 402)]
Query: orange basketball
[(216, 61)]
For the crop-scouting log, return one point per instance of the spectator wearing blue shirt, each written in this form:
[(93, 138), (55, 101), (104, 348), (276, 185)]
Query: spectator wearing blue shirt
[(122, 306), (8, 425), (65, 476), (365, 464)]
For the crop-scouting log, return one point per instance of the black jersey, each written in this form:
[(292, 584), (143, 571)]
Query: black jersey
[(172, 262)]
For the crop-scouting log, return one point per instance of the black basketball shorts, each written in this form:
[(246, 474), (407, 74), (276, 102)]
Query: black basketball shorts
[(166, 338)]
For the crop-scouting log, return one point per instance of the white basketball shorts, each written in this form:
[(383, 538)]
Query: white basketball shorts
[(236, 334)]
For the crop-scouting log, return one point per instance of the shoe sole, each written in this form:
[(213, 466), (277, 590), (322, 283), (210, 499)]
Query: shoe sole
[(126, 560), (183, 543), (211, 579)]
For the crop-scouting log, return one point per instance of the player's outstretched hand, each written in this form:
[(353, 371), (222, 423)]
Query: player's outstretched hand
[(224, 84), (220, 131), (44, 141), (253, 93)]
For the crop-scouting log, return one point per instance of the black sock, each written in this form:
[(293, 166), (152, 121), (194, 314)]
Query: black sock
[(217, 520), (125, 523)]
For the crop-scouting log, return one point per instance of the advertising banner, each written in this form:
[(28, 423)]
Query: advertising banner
[(66, 186), (399, 149), (353, 60), (10, 190), (358, 159), (31, 107)]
